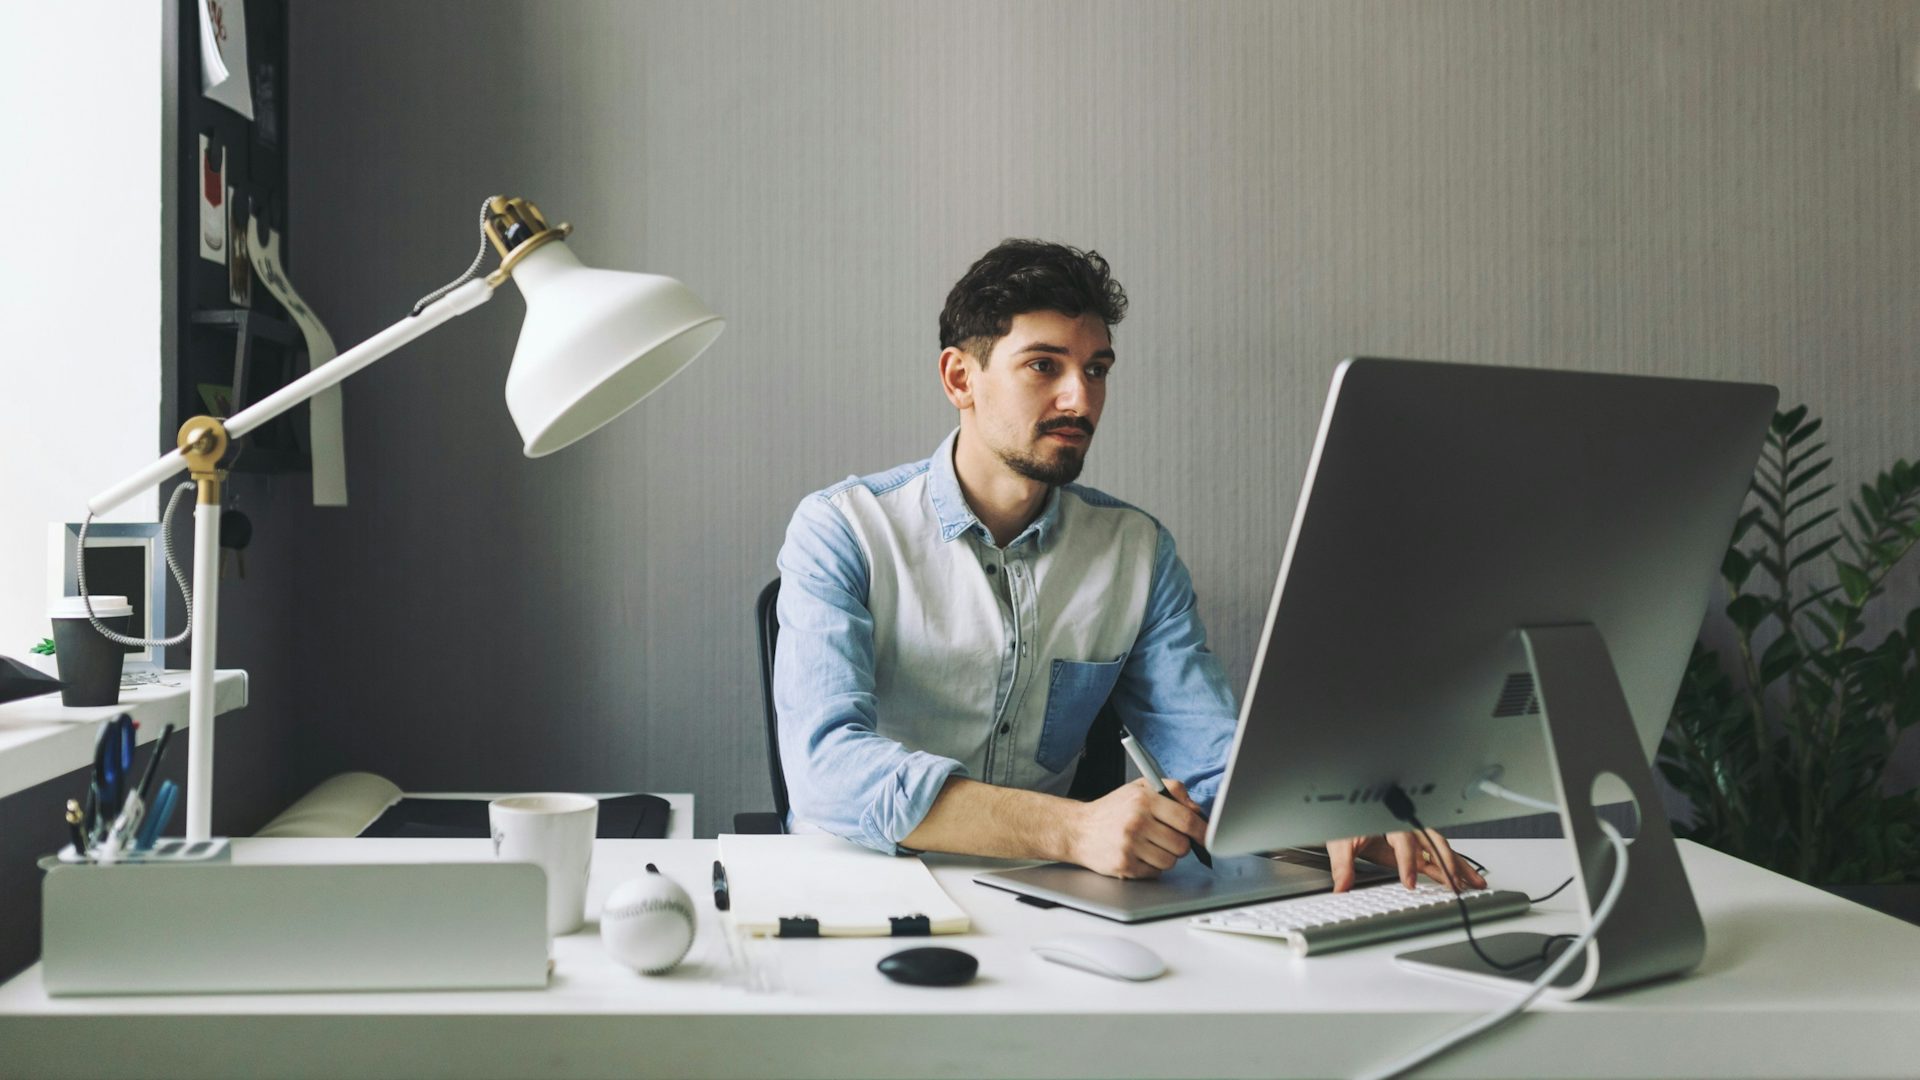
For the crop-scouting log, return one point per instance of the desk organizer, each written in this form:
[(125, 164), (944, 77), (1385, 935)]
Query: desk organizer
[(192, 928)]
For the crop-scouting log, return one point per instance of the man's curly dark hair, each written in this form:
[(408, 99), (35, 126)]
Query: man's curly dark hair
[(1019, 276)]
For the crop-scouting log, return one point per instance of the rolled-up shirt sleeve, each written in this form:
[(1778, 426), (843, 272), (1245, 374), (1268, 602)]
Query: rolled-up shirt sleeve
[(1173, 692), (842, 775)]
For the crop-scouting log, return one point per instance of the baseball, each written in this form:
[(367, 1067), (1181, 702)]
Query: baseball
[(647, 924)]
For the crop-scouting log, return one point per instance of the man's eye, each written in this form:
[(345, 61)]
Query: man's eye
[(1044, 367), (1097, 371)]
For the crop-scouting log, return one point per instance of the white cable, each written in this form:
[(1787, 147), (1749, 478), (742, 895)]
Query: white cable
[(1488, 787), (173, 564), (478, 258), (1579, 947)]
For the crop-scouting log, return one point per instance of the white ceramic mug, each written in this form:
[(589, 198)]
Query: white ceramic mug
[(554, 831)]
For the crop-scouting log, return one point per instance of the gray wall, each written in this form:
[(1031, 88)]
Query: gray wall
[(1719, 190)]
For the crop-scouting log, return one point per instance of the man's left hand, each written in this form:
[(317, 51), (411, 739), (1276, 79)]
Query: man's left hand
[(1415, 853)]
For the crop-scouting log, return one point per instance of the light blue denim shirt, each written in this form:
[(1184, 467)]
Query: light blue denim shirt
[(913, 649)]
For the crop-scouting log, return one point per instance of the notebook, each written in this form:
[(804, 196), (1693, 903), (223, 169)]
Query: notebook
[(822, 886)]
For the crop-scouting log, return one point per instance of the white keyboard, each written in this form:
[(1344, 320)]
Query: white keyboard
[(1329, 921)]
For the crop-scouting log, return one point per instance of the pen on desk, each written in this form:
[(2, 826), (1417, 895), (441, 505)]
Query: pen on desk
[(1150, 769), (74, 817), (157, 817), (720, 898), (153, 765)]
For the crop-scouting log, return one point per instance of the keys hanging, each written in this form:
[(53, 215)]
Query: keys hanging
[(236, 532)]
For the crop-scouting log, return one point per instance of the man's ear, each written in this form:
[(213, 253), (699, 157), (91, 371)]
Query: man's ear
[(956, 377)]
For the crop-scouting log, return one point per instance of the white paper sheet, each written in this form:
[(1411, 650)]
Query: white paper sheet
[(224, 75), (325, 433), (852, 891)]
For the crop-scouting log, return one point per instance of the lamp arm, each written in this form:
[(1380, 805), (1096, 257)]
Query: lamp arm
[(202, 446), (456, 303)]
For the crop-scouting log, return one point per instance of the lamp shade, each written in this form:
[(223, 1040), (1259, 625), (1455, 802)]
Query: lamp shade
[(594, 343)]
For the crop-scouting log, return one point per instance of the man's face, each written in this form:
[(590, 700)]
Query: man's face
[(1037, 400)]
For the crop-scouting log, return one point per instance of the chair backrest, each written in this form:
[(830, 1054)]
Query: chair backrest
[(767, 617), (1102, 761)]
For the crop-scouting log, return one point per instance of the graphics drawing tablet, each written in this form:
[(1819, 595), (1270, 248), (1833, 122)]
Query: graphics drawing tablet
[(1187, 888)]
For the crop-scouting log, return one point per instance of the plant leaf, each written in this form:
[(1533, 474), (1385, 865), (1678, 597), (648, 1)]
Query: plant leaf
[(1748, 612), (1871, 499), (1809, 498), (1780, 657), (1801, 458), (1784, 423), (1735, 567), (1811, 523), (1800, 481), (1813, 552), (1803, 433), (1853, 579)]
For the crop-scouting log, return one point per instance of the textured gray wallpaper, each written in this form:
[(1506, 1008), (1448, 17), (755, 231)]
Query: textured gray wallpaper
[(1706, 189)]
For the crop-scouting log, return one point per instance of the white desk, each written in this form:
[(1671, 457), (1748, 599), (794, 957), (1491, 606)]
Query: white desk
[(1795, 983), (41, 738)]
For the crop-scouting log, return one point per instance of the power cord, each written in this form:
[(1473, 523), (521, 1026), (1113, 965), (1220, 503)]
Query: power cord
[(1398, 799), (1401, 806), (1482, 868)]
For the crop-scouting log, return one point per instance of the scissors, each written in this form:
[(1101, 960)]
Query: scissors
[(112, 762)]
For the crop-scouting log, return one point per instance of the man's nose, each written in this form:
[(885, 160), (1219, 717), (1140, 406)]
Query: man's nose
[(1076, 390)]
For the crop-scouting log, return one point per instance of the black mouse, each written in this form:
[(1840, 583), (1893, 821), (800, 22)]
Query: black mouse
[(930, 965)]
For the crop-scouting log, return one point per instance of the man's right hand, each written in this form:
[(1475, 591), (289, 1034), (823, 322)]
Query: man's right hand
[(1134, 832)]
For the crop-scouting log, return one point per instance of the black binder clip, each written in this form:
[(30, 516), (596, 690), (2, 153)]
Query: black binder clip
[(911, 926), (802, 926)]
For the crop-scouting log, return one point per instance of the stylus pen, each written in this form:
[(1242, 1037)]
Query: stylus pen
[(1150, 769), (153, 765)]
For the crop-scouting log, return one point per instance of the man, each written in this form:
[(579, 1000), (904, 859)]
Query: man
[(950, 628)]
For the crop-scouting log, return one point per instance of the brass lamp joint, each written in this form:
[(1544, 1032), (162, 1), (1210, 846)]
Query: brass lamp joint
[(203, 442), (515, 227)]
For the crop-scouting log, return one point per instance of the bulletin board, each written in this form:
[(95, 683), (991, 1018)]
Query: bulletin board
[(227, 341)]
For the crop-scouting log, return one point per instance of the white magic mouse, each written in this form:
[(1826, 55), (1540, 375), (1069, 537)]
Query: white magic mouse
[(1104, 954)]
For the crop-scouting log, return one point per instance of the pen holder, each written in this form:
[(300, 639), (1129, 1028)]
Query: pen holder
[(187, 925), (214, 849)]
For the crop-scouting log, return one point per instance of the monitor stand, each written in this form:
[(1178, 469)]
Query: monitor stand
[(1655, 929)]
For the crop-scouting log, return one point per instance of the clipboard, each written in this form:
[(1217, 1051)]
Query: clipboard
[(816, 885)]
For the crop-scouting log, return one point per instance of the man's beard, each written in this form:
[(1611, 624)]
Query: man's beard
[(1062, 466)]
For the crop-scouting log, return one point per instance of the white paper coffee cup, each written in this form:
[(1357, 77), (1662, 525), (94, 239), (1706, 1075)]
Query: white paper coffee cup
[(554, 831), (75, 607)]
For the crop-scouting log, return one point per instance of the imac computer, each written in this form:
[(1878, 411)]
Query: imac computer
[(1496, 575)]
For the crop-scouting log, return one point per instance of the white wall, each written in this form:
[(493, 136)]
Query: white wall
[(80, 280)]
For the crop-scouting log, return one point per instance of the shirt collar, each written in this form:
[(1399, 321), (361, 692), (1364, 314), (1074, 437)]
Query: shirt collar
[(956, 517)]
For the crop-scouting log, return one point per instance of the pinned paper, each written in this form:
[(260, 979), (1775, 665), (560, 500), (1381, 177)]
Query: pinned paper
[(325, 436), (213, 202), (223, 54)]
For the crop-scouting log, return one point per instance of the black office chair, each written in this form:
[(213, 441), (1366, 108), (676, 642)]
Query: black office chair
[(1102, 761)]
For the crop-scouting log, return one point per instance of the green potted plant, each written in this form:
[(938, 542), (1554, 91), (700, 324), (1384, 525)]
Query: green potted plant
[(41, 657), (1782, 738)]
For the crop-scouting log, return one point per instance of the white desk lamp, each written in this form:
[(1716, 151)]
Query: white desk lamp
[(594, 343)]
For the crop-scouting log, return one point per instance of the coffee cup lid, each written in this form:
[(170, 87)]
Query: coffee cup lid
[(104, 607)]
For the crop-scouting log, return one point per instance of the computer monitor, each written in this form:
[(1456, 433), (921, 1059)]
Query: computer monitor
[(1453, 517)]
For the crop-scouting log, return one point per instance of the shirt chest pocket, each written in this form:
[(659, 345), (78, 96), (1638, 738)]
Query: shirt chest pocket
[(1075, 693)]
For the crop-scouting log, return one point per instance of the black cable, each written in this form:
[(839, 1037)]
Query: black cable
[(1549, 896), (1482, 868), (1401, 807)]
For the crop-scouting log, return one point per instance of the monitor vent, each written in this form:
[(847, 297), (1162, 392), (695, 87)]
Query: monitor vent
[(1517, 697)]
